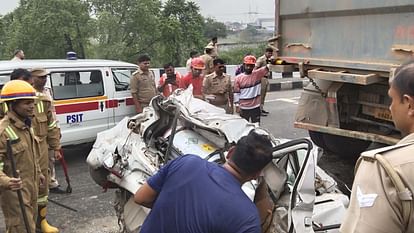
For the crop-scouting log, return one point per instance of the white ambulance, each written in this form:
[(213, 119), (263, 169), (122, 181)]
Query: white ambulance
[(89, 95)]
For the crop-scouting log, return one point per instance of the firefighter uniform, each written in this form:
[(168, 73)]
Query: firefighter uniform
[(220, 90), (381, 199), (143, 87), (45, 128), (25, 153)]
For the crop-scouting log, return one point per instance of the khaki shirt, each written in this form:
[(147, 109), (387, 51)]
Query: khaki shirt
[(214, 53), (44, 122), (219, 87), (375, 206), (208, 62), (260, 62), (26, 158), (143, 86)]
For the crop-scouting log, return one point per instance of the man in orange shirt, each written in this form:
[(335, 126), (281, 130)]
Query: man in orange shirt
[(195, 78), (169, 81)]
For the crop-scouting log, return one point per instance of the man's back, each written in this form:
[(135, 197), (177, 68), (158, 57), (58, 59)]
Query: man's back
[(198, 196)]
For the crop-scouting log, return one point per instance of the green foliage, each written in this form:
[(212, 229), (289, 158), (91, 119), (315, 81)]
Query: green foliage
[(236, 55), (111, 29), (126, 28), (181, 29), (48, 28), (213, 28)]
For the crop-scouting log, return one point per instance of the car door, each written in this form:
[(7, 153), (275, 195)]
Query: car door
[(121, 101), (80, 102)]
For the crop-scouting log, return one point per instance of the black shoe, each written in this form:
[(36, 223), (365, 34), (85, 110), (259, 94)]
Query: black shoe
[(265, 112), (57, 190)]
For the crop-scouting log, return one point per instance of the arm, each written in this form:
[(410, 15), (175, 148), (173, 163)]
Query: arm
[(231, 95), (261, 72), (206, 86), (236, 95), (145, 196), (134, 92), (53, 133), (373, 195), (161, 84)]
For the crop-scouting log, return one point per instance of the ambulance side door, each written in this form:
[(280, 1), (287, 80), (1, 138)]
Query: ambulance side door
[(121, 102), (80, 101)]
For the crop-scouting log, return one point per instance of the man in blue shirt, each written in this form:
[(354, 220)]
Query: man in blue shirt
[(192, 195)]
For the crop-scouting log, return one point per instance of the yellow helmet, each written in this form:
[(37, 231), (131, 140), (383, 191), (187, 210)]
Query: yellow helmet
[(17, 89)]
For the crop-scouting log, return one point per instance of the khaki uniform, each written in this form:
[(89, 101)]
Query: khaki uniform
[(46, 130), (260, 62), (375, 204), (143, 87), (53, 183), (220, 87), (26, 158), (214, 53), (208, 62)]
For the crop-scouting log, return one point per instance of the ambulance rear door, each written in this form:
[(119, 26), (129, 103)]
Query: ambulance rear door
[(121, 102), (81, 103)]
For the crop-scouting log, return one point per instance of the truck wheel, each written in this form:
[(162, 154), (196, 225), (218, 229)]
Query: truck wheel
[(344, 146), (99, 176)]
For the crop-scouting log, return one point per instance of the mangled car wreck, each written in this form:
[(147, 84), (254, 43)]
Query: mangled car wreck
[(297, 196)]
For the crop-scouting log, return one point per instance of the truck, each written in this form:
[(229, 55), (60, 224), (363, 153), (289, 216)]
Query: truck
[(349, 50)]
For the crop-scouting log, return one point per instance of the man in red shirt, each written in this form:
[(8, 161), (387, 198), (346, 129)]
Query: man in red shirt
[(195, 78), (169, 81)]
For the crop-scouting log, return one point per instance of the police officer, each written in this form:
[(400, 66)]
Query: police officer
[(45, 128), (143, 84), (263, 61), (208, 60), (381, 199), (217, 87), (18, 98)]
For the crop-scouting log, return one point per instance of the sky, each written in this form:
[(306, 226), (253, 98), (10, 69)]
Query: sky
[(244, 11)]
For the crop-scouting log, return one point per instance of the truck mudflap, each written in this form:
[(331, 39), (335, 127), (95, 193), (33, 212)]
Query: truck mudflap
[(347, 133)]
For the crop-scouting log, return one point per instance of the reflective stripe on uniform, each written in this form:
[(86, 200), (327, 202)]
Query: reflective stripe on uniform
[(10, 132), (52, 125), (42, 200), (5, 107), (40, 107)]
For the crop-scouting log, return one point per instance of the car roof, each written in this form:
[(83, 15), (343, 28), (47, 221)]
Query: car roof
[(9, 66)]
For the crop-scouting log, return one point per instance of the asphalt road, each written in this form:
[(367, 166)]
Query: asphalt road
[(94, 207)]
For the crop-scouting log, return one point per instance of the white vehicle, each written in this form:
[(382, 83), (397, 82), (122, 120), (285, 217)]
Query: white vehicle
[(302, 197), (89, 95)]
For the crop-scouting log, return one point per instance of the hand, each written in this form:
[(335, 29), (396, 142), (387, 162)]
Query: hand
[(15, 184), (237, 109), (42, 180), (58, 155)]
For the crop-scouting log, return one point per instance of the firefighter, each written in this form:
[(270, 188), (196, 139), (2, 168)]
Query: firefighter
[(45, 128), (17, 99)]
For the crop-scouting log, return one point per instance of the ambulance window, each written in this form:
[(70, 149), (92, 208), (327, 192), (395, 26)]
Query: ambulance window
[(76, 84), (4, 78), (122, 77)]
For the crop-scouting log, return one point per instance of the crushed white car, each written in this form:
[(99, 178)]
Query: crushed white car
[(296, 195)]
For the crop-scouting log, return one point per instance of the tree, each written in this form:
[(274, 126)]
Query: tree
[(126, 28), (49, 28), (213, 28), (181, 30)]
